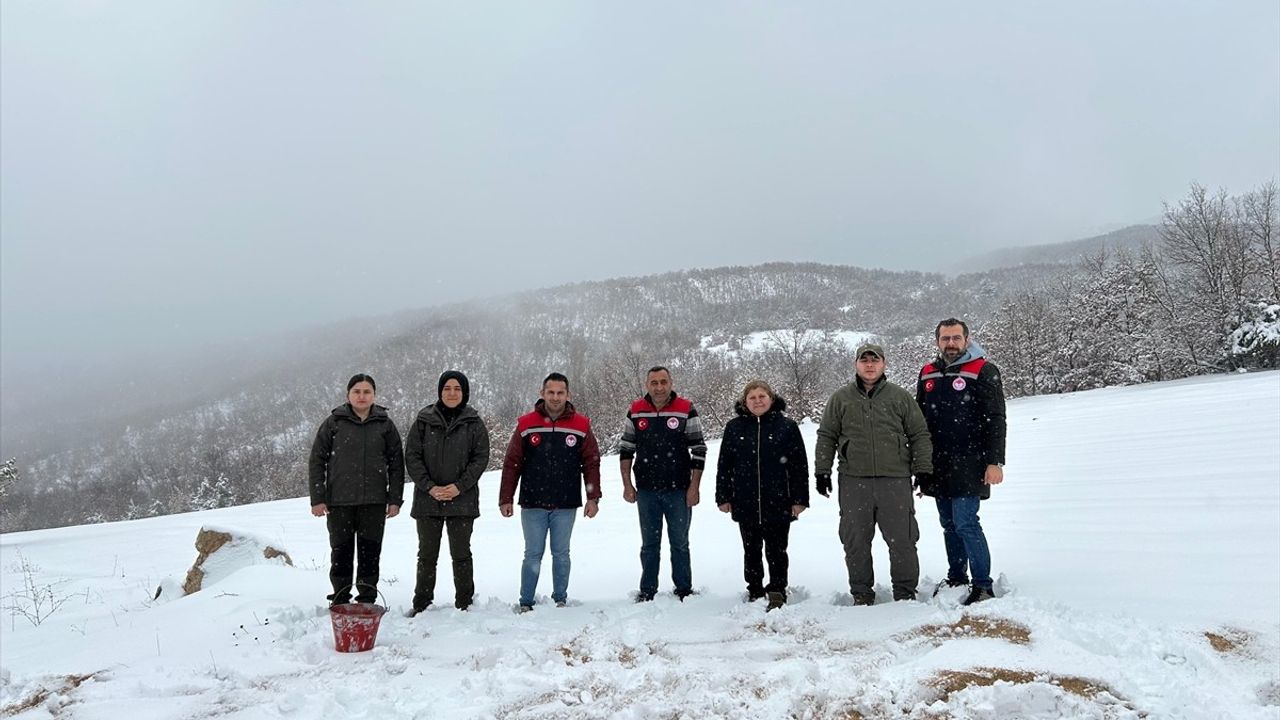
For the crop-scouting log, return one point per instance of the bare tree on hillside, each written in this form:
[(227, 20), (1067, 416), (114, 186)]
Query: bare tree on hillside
[(712, 380), (1222, 259), (803, 359), (1022, 335), (609, 384), (1258, 214)]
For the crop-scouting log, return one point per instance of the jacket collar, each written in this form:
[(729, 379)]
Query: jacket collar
[(649, 399), (432, 413), (377, 412)]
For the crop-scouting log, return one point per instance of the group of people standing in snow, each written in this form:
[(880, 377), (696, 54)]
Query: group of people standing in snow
[(946, 442)]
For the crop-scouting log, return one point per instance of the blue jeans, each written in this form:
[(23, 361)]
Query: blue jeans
[(673, 507), (537, 523), (967, 550)]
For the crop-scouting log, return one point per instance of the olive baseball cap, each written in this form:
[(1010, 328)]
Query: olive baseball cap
[(872, 348)]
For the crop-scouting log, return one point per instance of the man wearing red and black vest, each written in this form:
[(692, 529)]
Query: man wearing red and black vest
[(963, 402), (551, 456), (662, 442)]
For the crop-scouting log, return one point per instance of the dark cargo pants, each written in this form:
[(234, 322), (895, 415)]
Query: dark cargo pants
[(772, 539), (355, 534), (887, 502), (459, 530)]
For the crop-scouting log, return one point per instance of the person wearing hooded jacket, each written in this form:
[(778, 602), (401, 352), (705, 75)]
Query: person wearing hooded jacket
[(962, 399), (446, 452), (356, 478), (762, 479)]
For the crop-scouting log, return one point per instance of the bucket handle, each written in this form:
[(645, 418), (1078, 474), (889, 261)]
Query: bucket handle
[(385, 606)]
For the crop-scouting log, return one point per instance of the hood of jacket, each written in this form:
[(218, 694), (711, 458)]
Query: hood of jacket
[(973, 352), (779, 405), (344, 411)]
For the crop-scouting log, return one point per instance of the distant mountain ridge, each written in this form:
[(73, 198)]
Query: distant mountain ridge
[(1131, 237)]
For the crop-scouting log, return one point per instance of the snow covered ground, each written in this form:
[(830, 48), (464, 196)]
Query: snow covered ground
[(1137, 537)]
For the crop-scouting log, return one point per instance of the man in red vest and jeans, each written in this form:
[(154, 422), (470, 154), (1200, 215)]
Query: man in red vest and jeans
[(963, 403), (552, 457)]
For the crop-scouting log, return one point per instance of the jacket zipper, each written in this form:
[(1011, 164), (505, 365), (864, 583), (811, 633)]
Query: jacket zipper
[(867, 428), (759, 481), (364, 442), (443, 437), (440, 447)]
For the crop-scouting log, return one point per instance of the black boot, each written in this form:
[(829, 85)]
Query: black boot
[(978, 594), (949, 583)]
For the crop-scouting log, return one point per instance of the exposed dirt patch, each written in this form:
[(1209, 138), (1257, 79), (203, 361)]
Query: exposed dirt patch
[(63, 684), (980, 627), (574, 655), (950, 682), (271, 553), (1228, 641)]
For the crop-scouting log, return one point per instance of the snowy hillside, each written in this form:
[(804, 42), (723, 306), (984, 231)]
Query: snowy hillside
[(764, 340), (1137, 538)]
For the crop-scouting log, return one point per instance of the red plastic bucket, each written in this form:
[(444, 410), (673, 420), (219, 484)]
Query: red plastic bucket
[(355, 626)]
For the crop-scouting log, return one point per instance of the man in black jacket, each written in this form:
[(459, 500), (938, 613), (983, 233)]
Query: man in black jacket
[(963, 402), (662, 442)]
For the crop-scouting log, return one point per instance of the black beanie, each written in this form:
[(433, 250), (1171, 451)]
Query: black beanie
[(448, 375)]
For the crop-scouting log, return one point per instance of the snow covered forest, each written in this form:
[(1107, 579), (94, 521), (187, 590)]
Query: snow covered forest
[(1202, 296)]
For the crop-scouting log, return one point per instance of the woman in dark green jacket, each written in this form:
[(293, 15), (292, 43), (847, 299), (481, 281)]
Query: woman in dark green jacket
[(446, 452), (357, 482)]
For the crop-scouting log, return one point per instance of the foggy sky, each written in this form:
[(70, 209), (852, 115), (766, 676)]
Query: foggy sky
[(176, 174)]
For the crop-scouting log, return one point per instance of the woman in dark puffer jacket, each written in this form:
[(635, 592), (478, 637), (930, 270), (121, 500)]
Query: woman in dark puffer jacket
[(762, 480)]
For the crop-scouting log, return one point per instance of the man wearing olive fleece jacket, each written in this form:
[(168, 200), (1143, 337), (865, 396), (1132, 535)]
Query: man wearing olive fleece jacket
[(877, 430)]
